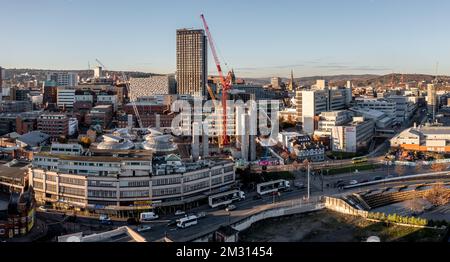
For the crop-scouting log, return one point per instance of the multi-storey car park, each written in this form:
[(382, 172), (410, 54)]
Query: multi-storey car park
[(124, 183)]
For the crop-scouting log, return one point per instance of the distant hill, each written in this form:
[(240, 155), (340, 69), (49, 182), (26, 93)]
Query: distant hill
[(358, 80), (41, 74)]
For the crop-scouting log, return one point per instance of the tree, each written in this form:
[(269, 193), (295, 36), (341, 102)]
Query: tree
[(85, 141), (438, 195), (438, 167)]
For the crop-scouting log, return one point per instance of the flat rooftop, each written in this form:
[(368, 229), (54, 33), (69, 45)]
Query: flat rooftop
[(12, 172)]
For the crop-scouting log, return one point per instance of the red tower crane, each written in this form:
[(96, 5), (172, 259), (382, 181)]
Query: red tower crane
[(226, 85)]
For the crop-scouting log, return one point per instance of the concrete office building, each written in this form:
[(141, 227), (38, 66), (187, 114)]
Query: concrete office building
[(404, 107), (192, 64), (354, 136), (276, 82), (381, 119), (53, 124), (349, 90), (150, 86), (424, 138), (127, 185), (65, 97), (328, 120), (321, 98), (15, 106), (383, 105), (431, 99), (399, 107), (63, 78), (98, 72), (310, 103), (104, 99)]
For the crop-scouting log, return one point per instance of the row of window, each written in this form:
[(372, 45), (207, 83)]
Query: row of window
[(167, 181), (139, 193), (72, 181), (196, 176), (102, 194), (166, 191), (197, 186), (72, 191)]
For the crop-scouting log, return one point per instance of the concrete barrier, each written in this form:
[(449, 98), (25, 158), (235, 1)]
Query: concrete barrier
[(339, 205), (444, 174)]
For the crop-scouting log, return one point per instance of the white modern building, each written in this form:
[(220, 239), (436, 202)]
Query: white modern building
[(321, 98), (381, 119), (103, 99), (330, 119), (65, 97), (64, 78), (424, 138), (383, 105), (353, 136), (98, 72)]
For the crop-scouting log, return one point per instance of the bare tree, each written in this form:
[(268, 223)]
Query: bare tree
[(438, 167), (438, 195)]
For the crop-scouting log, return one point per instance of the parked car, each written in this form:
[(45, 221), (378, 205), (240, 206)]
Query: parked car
[(230, 208), (143, 228), (179, 213)]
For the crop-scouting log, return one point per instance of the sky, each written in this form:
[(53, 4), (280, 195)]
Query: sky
[(257, 38)]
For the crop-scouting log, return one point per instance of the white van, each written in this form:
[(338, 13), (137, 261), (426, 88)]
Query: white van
[(148, 216)]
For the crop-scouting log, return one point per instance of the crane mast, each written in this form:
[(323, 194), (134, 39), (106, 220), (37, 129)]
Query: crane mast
[(224, 140)]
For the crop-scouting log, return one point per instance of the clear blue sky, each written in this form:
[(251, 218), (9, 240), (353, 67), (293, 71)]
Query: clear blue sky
[(256, 38)]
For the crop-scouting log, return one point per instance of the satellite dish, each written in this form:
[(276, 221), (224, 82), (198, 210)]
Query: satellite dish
[(73, 239)]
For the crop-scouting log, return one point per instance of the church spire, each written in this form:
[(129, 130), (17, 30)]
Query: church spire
[(292, 84)]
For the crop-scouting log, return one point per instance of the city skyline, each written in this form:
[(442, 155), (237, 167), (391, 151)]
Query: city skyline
[(351, 37)]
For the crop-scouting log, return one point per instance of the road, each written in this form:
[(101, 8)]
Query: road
[(217, 217)]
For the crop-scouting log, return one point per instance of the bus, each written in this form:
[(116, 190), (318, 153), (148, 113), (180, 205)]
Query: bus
[(272, 186), (357, 160), (225, 198), (187, 221)]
